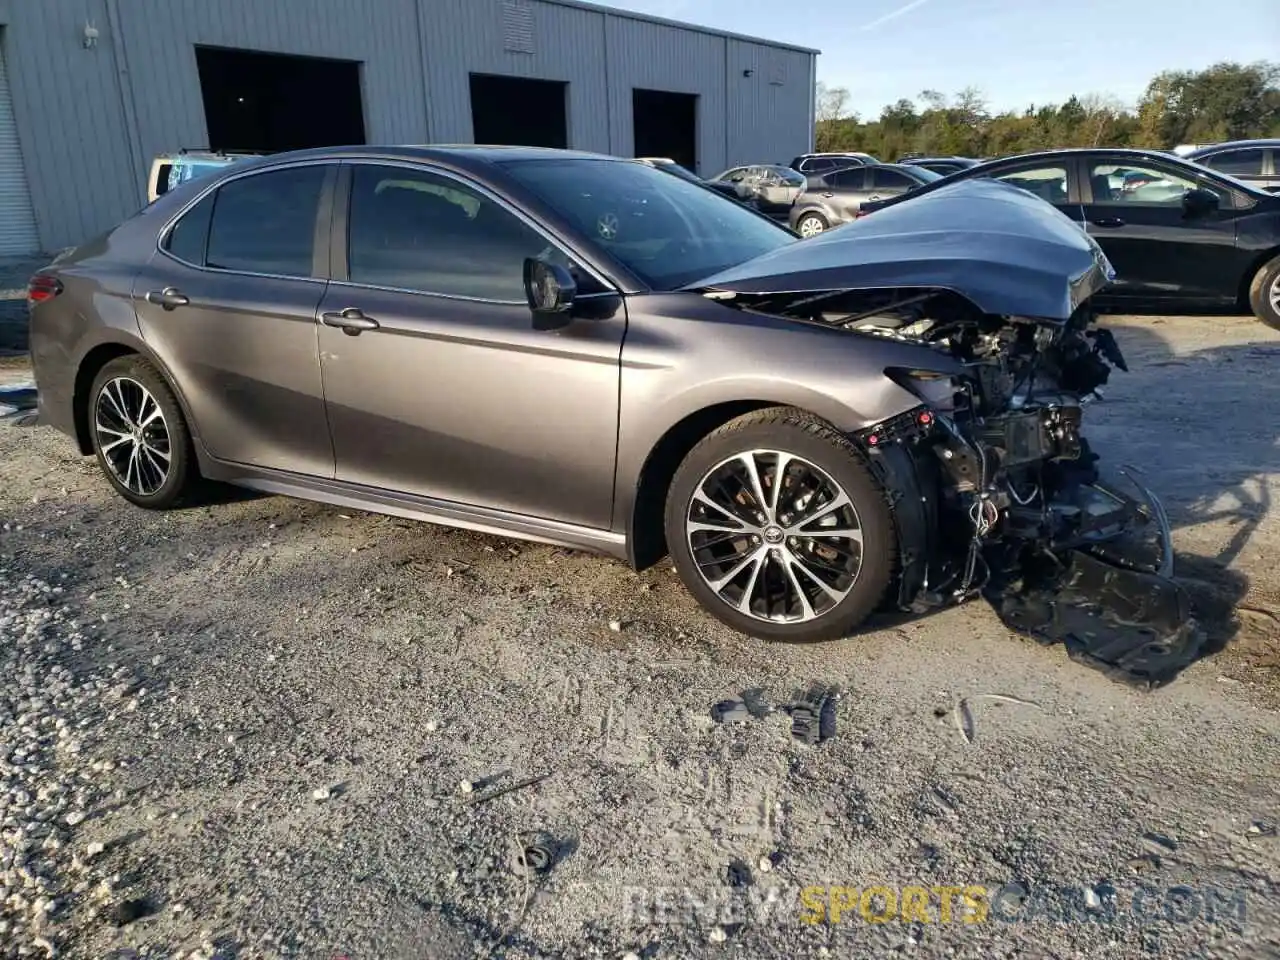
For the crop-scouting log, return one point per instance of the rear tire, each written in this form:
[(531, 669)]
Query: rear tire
[(812, 224), (800, 562), (140, 436), (1264, 294)]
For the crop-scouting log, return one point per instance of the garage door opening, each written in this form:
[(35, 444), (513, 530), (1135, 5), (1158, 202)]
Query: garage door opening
[(666, 125), (265, 102), (519, 112)]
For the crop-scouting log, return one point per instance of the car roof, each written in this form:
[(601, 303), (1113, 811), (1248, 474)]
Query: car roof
[(461, 155), (1234, 145)]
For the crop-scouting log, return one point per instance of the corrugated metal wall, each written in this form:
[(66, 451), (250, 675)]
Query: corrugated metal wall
[(653, 56), (461, 37), (91, 119)]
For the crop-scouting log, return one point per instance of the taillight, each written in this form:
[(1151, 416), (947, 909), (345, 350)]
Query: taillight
[(43, 287)]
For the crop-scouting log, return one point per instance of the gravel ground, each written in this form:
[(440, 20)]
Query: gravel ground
[(241, 730)]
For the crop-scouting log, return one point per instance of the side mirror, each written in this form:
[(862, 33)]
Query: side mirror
[(1199, 202), (550, 290)]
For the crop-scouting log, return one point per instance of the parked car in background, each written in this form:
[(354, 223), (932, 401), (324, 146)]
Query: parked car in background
[(944, 166), (809, 163), (581, 350), (771, 187), (170, 169), (667, 165), (1256, 162), (1178, 233), (835, 198)]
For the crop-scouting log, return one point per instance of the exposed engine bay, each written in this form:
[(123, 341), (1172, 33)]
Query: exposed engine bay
[(996, 492)]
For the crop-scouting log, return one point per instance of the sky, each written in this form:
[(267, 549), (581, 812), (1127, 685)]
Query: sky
[(1017, 52)]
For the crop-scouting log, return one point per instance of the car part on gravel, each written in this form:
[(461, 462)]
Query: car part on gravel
[(813, 713)]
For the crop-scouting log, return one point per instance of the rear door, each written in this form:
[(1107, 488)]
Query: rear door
[(846, 189), (1135, 211), (883, 182), (229, 303)]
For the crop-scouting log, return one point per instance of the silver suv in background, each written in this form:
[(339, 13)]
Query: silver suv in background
[(835, 198)]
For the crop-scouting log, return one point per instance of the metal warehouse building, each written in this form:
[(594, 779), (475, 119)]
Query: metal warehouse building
[(91, 90)]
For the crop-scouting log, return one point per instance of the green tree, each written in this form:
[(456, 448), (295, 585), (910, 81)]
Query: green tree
[(1224, 101)]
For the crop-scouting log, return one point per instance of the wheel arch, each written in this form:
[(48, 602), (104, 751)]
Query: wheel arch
[(646, 539), (88, 368)]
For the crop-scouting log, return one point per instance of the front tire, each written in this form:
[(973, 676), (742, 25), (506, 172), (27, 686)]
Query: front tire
[(778, 528), (1264, 294), (812, 224), (140, 436)]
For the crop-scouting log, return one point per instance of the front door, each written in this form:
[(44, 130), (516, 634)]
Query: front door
[(1135, 211), (228, 305), (449, 392)]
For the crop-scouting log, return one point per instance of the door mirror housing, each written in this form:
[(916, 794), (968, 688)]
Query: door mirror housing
[(550, 290), (1199, 202)]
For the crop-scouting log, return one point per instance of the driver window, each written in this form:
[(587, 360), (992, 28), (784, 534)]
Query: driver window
[(1128, 183), (413, 230)]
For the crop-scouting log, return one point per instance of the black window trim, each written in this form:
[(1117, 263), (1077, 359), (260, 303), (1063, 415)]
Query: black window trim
[(320, 256), (338, 233)]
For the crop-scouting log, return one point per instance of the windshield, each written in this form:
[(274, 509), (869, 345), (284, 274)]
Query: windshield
[(667, 231)]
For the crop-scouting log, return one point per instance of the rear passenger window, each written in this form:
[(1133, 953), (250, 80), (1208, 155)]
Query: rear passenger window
[(266, 222), (888, 179), (187, 238)]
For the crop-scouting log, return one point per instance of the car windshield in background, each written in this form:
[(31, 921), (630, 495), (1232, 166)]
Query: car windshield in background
[(683, 172), (667, 231), (927, 175)]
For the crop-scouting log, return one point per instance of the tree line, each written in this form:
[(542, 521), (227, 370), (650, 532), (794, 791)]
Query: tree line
[(1227, 101)]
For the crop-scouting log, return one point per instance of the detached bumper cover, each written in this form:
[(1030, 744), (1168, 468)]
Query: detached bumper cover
[(1114, 607)]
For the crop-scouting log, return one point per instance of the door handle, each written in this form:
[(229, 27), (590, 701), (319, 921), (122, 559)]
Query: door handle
[(350, 321), (169, 298), (1108, 222), (828, 195)]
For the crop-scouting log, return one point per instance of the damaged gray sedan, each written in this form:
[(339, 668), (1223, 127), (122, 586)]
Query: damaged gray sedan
[(584, 351)]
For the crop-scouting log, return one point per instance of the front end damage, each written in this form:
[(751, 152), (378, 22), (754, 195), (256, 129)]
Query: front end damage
[(994, 488)]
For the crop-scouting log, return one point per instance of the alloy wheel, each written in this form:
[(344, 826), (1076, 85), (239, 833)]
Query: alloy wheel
[(811, 227), (774, 536), (1275, 293), (133, 436)]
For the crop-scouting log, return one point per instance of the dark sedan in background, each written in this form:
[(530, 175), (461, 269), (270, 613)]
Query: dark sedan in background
[(835, 198), (1180, 235), (943, 166), (1256, 162)]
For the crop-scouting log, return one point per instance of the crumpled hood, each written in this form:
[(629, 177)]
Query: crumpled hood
[(1005, 250)]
